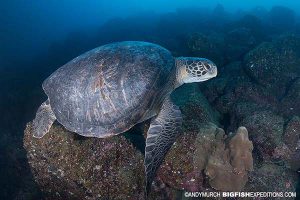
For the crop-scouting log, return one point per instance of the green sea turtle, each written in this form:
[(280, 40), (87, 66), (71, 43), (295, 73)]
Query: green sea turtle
[(108, 90)]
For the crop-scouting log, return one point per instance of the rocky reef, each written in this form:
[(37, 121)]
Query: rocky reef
[(67, 166), (272, 62)]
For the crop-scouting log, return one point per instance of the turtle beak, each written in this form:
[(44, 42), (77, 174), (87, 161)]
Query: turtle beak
[(213, 71), (211, 68)]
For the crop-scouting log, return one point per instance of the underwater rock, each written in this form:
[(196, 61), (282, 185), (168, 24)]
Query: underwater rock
[(272, 178), (266, 131), (242, 36), (274, 62), (226, 161), (249, 92), (238, 42), (178, 170), (210, 46), (252, 23), (67, 166), (290, 150), (219, 91), (195, 108), (235, 96), (292, 134), (289, 105)]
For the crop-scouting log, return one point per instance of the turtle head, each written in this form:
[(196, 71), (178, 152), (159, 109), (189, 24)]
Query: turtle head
[(190, 69)]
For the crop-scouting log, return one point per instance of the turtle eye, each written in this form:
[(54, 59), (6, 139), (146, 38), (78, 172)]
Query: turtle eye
[(207, 66)]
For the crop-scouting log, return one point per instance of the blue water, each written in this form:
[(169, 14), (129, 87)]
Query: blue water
[(37, 37)]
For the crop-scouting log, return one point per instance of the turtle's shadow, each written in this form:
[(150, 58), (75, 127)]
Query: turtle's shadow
[(136, 136)]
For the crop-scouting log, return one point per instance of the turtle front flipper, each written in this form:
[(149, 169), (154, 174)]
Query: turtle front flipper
[(43, 120), (161, 135)]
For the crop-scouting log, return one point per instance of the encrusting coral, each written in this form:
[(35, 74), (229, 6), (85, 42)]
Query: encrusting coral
[(230, 161)]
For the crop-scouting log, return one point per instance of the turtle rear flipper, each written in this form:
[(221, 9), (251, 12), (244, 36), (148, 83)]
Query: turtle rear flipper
[(160, 137), (43, 120)]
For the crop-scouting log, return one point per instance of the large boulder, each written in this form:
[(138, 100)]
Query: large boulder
[(274, 64), (272, 178), (242, 36), (238, 42), (195, 108), (289, 151), (209, 46), (67, 166), (266, 131), (289, 104)]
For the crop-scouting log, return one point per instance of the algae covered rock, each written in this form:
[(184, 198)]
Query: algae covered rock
[(266, 130), (272, 178), (289, 151), (290, 102), (292, 134), (238, 42), (195, 108), (67, 166), (274, 62), (210, 46)]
